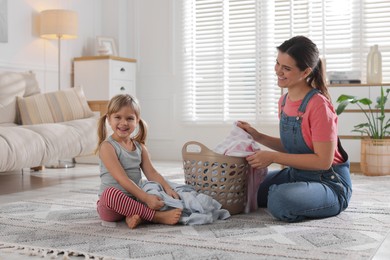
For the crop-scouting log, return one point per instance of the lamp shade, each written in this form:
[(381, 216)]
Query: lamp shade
[(58, 24)]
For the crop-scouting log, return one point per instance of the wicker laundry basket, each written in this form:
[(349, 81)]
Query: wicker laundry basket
[(219, 176)]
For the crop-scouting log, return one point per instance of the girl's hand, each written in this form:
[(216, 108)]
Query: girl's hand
[(172, 193), (154, 202), (260, 159)]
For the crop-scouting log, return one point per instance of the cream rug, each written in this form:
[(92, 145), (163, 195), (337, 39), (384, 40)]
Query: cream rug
[(67, 224)]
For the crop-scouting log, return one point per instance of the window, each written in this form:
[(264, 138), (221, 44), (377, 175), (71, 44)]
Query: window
[(230, 50)]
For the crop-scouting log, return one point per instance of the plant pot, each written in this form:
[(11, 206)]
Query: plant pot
[(375, 157)]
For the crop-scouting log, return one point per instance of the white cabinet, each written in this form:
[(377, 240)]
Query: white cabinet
[(103, 77)]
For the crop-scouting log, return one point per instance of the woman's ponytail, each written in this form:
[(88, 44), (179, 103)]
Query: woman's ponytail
[(318, 79)]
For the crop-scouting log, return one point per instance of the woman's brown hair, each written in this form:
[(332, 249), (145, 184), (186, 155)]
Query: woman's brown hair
[(306, 55)]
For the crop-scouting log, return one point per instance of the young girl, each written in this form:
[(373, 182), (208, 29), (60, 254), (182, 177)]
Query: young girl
[(122, 157), (316, 183)]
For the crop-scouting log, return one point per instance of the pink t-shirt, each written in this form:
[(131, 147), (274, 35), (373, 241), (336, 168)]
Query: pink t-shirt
[(319, 122)]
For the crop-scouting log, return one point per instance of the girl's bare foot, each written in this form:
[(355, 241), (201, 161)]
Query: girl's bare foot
[(169, 217), (133, 221)]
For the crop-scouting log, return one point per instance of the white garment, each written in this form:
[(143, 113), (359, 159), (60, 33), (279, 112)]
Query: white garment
[(241, 144)]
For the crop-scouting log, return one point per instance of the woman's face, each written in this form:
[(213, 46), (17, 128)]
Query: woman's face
[(288, 73)]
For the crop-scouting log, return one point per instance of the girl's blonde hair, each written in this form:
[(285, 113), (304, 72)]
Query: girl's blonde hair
[(115, 104)]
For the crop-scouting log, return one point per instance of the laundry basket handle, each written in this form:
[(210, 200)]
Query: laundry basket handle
[(203, 149)]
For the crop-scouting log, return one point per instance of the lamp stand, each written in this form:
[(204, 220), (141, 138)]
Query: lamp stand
[(61, 164), (59, 61)]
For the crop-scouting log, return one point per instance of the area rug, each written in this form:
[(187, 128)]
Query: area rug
[(68, 225)]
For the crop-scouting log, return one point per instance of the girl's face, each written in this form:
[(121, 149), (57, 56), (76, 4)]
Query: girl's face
[(124, 122), (288, 73)]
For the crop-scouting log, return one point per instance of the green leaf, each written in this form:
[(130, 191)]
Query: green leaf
[(375, 125), (362, 125), (381, 117), (341, 107), (365, 101), (345, 97)]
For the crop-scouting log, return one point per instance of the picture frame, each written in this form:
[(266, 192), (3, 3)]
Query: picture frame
[(106, 46)]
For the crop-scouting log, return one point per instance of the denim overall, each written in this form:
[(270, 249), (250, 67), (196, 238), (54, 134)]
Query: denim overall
[(293, 194)]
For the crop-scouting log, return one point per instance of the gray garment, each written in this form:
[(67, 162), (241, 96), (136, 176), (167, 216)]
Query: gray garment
[(197, 208), (131, 163)]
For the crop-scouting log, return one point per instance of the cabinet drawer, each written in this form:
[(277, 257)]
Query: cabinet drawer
[(123, 70), (122, 87)]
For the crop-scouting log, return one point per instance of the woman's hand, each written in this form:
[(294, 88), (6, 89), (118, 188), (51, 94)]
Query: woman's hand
[(247, 128), (260, 159), (154, 202), (243, 125)]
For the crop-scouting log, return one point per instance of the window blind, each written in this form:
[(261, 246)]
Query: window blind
[(230, 50)]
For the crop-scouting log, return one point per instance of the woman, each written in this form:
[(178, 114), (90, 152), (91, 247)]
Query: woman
[(316, 183)]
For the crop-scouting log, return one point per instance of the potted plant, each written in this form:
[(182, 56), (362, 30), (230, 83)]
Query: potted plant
[(375, 145)]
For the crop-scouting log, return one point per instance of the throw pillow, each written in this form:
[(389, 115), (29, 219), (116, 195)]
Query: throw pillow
[(54, 107), (34, 110), (69, 104), (32, 86)]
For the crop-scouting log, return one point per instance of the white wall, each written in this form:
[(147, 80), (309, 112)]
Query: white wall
[(25, 50), (147, 30)]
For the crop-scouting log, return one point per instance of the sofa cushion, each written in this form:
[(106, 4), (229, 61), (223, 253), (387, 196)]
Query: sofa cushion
[(35, 110), (32, 86), (54, 107), (69, 105), (12, 84), (44, 144), (20, 148)]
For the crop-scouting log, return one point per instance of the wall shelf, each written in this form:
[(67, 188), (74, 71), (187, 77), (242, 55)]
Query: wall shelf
[(360, 85)]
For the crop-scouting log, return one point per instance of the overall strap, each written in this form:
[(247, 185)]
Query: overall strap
[(283, 103), (284, 100), (302, 107)]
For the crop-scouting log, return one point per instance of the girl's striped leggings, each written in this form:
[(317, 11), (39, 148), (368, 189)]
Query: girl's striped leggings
[(114, 205)]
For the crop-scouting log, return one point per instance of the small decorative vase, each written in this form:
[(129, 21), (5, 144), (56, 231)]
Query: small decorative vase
[(374, 66), (103, 50)]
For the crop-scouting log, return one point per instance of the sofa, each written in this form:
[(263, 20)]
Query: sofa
[(38, 129)]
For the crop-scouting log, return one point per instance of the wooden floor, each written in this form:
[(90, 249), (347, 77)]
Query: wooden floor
[(19, 182), (26, 180)]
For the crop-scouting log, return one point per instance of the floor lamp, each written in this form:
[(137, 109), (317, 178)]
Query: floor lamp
[(59, 24)]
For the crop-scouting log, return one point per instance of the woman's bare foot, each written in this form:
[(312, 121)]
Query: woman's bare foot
[(169, 217), (133, 221)]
